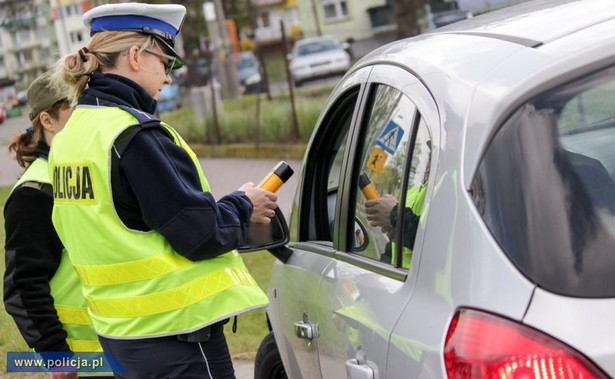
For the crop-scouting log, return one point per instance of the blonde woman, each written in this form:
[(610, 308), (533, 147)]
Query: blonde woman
[(154, 249)]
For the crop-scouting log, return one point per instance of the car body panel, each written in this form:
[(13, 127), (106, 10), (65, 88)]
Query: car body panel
[(298, 356), (584, 324)]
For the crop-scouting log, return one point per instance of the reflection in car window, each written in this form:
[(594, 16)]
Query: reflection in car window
[(545, 187), (409, 216), (382, 164)]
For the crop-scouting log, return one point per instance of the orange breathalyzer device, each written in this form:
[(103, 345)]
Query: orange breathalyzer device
[(368, 189), (278, 176)]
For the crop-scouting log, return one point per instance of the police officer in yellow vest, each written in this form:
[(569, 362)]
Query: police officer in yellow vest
[(154, 250), (41, 289)]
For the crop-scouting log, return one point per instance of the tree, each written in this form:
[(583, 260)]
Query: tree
[(407, 15)]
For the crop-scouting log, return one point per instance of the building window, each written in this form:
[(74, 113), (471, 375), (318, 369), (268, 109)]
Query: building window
[(45, 53), (41, 32), (76, 37), (334, 10), (265, 19), (23, 35)]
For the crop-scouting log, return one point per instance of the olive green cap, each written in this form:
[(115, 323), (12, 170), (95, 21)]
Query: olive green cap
[(44, 92)]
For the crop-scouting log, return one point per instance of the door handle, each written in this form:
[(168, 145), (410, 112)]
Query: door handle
[(360, 368), (356, 370), (306, 329)]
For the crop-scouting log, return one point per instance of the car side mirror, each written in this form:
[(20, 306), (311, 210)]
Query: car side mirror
[(289, 56), (345, 45), (273, 237)]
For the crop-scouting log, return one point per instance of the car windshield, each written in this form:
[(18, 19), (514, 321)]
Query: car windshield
[(316, 47), (246, 62), (545, 187)]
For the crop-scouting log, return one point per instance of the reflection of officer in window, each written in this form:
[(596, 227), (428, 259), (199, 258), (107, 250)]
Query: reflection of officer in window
[(383, 212)]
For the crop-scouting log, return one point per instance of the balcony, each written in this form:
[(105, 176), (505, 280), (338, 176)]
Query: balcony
[(19, 23)]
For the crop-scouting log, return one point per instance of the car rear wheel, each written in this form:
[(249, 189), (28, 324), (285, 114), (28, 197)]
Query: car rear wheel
[(268, 363)]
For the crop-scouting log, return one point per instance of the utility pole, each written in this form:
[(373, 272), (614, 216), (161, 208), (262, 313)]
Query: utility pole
[(223, 52), (316, 22), (295, 129)]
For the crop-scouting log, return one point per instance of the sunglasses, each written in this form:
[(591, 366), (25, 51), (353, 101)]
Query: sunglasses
[(169, 64)]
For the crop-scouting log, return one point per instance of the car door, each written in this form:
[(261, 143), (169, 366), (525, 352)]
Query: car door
[(368, 283), (294, 284)]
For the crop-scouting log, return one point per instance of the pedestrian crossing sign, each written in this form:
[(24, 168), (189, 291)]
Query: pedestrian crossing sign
[(376, 160), (391, 137)]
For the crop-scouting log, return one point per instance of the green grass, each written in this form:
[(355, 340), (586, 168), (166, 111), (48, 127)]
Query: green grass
[(251, 327), (241, 121), (274, 65)]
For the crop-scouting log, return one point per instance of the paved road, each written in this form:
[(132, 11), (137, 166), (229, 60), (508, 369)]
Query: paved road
[(224, 175)]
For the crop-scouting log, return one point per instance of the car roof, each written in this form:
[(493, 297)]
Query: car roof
[(480, 69), (532, 22)]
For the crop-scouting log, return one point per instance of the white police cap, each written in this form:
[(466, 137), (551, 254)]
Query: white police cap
[(162, 21)]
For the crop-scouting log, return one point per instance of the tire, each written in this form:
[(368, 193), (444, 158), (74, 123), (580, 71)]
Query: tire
[(268, 363)]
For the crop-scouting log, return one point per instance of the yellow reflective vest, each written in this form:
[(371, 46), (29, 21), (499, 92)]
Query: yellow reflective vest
[(135, 283), (65, 285)]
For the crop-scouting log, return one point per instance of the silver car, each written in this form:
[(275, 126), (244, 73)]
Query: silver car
[(317, 57), (455, 214)]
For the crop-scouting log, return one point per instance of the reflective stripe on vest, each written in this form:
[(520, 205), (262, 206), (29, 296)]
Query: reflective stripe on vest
[(65, 285), (135, 284)]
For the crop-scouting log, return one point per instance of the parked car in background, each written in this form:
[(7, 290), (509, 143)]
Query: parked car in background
[(446, 18), (2, 113), (22, 98), (169, 98), (249, 72), (317, 57), (455, 213)]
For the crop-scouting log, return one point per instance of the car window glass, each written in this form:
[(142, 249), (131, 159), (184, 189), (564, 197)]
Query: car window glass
[(381, 173), (545, 187), (325, 168), (334, 174), (408, 217)]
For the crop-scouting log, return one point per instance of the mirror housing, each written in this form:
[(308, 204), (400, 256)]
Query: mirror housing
[(289, 56), (273, 237)]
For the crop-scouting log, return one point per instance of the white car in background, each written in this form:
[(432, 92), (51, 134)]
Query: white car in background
[(317, 57)]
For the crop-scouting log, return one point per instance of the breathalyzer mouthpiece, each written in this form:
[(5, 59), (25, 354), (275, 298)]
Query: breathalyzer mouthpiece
[(278, 176), (367, 187)]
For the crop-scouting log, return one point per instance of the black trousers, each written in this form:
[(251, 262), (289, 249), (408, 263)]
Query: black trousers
[(168, 357)]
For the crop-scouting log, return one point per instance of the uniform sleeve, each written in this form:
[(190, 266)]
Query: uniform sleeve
[(33, 254), (165, 184)]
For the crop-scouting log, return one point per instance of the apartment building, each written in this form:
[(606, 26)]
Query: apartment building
[(346, 19), (34, 34)]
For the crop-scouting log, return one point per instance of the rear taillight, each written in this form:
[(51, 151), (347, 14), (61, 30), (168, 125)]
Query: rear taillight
[(481, 345)]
